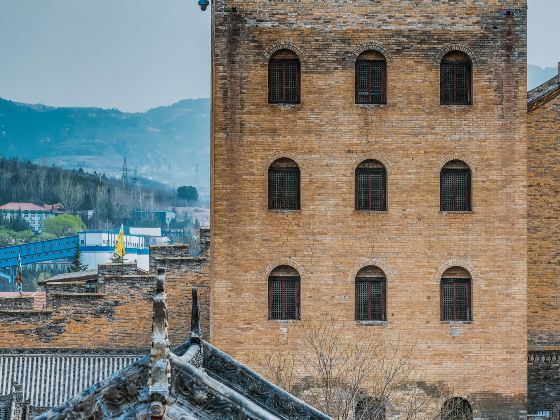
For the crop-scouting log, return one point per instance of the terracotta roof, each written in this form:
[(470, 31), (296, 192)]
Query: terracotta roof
[(23, 206), (544, 93)]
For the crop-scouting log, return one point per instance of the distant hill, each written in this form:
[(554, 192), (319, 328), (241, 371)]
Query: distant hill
[(167, 144), (537, 75)]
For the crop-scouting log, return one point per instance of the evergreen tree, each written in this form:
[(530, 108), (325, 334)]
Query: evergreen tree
[(18, 223), (77, 262)]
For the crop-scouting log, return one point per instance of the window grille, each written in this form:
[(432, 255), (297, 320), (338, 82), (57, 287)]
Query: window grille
[(456, 300), (455, 190), (284, 81), (371, 187), (370, 299), (455, 79), (283, 189), (283, 298), (371, 82)]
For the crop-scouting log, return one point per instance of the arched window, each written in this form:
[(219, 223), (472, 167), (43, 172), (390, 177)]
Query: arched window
[(455, 187), (456, 409), (283, 185), (368, 408), (456, 295), (371, 286), (283, 293), (371, 78), (284, 78), (371, 186), (456, 79)]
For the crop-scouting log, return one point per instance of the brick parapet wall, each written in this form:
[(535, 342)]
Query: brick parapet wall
[(181, 273), (119, 314), (16, 302)]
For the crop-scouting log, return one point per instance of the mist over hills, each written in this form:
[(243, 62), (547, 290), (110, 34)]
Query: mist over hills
[(167, 144)]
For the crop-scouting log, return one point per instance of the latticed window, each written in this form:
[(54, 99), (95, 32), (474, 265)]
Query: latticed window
[(456, 409), (456, 299), (284, 78), (456, 79), (370, 295), (283, 185), (371, 78), (455, 187), (371, 186), (283, 294)]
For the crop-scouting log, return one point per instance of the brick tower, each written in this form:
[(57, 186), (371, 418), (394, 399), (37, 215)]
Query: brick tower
[(369, 160)]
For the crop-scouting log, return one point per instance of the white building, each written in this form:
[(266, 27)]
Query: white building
[(31, 213), (97, 247)]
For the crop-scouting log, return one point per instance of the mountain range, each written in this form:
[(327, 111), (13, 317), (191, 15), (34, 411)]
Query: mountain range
[(168, 144)]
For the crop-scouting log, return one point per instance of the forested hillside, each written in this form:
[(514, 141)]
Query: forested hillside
[(110, 200), (168, 144)]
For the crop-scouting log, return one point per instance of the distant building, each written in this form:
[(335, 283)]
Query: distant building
[(161, 216), (97, 247), (31, 213)]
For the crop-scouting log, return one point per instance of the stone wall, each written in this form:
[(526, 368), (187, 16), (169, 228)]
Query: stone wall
[(544, 380), (328, 135), (119, 314)]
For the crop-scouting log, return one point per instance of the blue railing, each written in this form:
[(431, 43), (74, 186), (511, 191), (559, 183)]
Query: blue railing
[(36, 252)]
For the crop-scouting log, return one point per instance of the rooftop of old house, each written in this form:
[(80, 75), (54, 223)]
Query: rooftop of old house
[(193, 380), (545, 92)]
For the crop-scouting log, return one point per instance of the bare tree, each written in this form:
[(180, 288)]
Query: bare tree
[(356, 377), (71, 193)]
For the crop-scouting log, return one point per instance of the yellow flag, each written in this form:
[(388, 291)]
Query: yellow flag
[(119, 246)]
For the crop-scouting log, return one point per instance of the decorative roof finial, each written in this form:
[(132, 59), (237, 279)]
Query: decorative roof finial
[(195, 316), (160, 368)]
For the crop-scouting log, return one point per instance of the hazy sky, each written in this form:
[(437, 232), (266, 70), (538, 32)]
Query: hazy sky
[(137, 54)]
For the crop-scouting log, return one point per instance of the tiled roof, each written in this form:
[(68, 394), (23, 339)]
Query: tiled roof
[(49, 378), (543, 93), (6, 407), (70, 277), (23, 206), (194, 380)]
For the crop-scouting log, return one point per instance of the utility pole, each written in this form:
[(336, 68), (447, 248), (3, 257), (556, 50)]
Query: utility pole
[(124, 171)]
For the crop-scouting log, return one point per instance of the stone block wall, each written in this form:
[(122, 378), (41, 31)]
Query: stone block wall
[(413, 136)]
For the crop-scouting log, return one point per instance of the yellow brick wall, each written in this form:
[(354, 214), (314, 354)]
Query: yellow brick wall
[(413, 136), (543, 157)]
